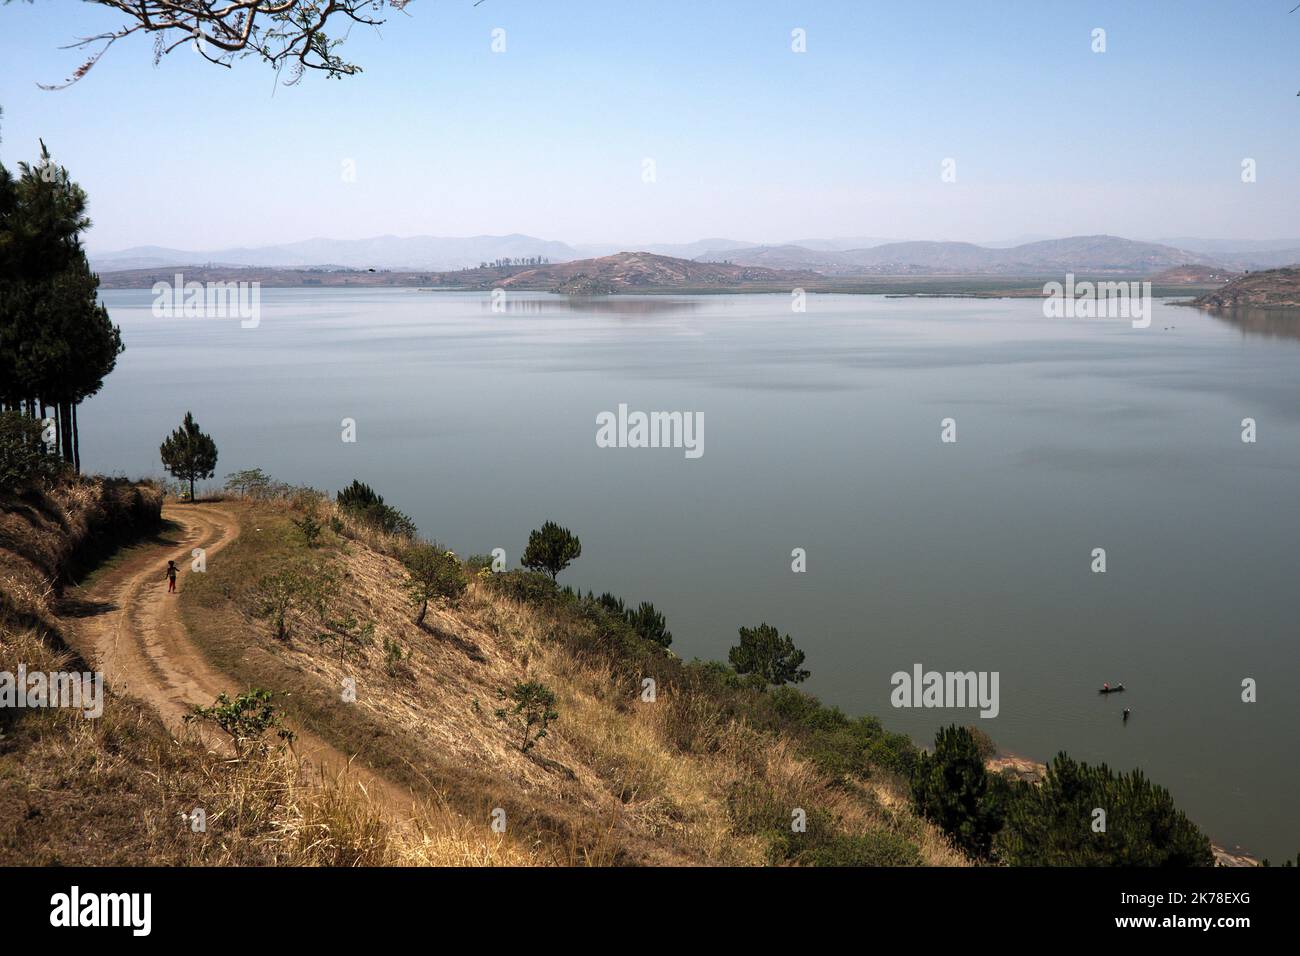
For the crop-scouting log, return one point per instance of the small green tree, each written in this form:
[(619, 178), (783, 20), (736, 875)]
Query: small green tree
[(534, 707), (189, 454), (251, 482), (432, 574), (952, 789), (347, 631), (772, 658), (247, 719), (278, 594), (551, 549), (310, 524), (394, 658)]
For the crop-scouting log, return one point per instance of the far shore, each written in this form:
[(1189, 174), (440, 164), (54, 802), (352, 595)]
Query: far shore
[(952, 285)]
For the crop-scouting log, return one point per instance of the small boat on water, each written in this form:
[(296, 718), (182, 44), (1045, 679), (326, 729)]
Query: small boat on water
[(1110, 690)]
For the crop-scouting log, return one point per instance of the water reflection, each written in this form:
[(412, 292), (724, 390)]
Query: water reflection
[(1274, 323), (534, 303)]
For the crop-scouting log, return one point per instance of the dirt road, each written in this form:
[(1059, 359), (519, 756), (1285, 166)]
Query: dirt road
[(126, 623)]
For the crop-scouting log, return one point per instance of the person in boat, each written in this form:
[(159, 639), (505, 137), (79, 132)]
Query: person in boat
[(1126, 715), (1105, 686)]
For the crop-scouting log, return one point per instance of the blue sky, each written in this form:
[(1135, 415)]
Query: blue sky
[(749, 139)]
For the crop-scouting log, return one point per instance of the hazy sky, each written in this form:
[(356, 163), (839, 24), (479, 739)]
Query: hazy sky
[(749, 139)]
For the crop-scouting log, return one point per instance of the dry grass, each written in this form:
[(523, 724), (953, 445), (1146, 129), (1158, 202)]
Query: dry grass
[(118, 790), (620, 781), (617, 781)]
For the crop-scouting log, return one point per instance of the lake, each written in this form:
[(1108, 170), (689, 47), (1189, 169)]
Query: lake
[(822, 432)]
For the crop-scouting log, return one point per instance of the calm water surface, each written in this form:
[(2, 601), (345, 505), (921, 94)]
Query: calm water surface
[(822, 432)]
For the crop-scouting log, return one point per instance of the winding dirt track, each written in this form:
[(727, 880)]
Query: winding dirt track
[(134, 633)]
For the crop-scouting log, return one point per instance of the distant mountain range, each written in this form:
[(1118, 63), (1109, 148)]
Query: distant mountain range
[(850, 256), (1090, 254)]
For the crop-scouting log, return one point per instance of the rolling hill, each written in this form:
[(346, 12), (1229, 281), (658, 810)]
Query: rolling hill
[(1090, 254), (633, 271), (836, 258), (1270, 289)]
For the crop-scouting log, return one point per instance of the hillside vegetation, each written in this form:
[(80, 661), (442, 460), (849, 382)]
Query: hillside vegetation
[(479, 716), (705, 773), (121, 789), (633, 271)]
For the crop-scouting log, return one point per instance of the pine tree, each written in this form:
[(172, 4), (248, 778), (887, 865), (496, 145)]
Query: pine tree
[(765, 653), (650, 623), (1057, 823), (57, 343), (189, 454), (952, 789), (551, 549)]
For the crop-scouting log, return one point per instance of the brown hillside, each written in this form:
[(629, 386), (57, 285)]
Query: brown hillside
[(1193, 275), (708, 773), (1269, 289), (616, 781), (632, 271)]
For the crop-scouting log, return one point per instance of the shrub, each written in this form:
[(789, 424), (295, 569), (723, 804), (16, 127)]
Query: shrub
[(311, 528), (838, 745), (894, 752), (25, 460), (876, 848), (247, 718), (755, 808), (526, 587)]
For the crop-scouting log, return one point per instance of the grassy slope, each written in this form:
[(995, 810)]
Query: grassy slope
[(707, 774), (106, 791), (112, 791), (691, 778)]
